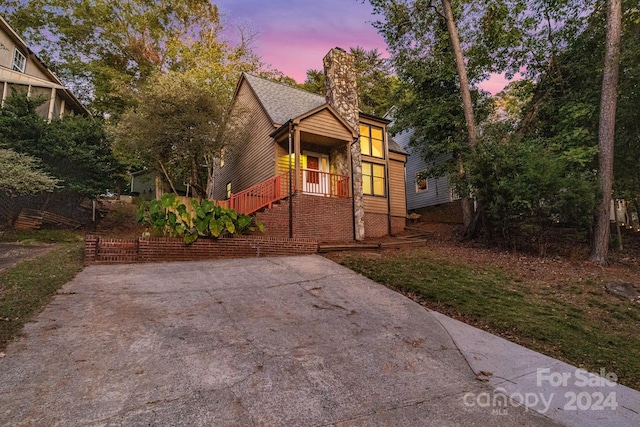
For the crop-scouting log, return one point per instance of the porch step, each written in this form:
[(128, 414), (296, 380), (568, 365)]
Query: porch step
[(117, 252), (324, 248), (327, 247)]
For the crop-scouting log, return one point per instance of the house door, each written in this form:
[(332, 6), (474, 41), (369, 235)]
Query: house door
[(315, 176)]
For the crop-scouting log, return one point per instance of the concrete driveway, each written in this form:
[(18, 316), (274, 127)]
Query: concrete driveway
[(297, 341)]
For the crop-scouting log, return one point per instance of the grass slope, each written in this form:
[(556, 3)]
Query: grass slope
[(578, 323), (29, 286)]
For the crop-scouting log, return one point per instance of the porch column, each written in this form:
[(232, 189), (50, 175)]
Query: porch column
[(62, 108), (350, 171), (5, 89), (52, 104), (296, 151)]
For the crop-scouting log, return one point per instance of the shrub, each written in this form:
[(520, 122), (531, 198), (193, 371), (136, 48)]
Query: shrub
[(169, 217), (527, 187)]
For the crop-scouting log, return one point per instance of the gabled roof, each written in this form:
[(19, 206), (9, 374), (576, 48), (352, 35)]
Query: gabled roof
[(395, 147), (281, 102), (7, 29)]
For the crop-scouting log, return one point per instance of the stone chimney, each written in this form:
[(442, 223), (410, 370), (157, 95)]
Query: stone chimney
[(342, 95), (340, 81)]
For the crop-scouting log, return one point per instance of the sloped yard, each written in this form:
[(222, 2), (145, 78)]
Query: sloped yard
[(553, 305), (43, 262)]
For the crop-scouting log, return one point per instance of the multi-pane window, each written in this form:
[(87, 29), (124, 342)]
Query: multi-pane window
[(19, 61), (373, 180), (421, 181), (371, 141), (228, 190)]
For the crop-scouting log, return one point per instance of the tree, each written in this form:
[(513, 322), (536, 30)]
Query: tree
[(416, 31), (178, 129), (606, 132), (74, 150), (565, 108), (107, 49), (21, 174), (375, 81)]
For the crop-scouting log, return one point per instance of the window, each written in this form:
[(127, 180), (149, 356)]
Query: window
[(373, 181), (222, 157), (19, 61), (229, 190), (371, 141), (421, 181)]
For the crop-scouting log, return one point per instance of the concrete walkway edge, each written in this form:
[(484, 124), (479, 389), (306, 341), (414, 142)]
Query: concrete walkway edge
[(560, 391)]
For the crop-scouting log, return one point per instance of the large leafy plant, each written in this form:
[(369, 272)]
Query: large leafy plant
[(169, 217)]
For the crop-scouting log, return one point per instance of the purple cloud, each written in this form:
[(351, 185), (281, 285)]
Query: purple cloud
[(294, 35)]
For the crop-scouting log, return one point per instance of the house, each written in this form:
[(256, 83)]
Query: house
[(22, 71), (421, 190), (328, 171)]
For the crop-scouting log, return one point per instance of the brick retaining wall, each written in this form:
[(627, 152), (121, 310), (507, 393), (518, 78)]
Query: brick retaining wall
[(158, 249), (325, 219)]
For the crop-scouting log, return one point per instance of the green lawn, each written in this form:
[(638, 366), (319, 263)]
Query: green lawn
[(578, 323), (27, 287)]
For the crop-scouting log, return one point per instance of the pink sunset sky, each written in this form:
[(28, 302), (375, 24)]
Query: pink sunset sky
[(294, 35)]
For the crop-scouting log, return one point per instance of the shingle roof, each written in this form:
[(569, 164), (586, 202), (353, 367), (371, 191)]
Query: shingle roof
[(395, 147), (283, 102)]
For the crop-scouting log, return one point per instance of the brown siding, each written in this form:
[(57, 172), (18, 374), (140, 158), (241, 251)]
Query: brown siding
[(326, 124), (282, 164), (397, 189), (253, 160), (397, 156), (376, 204)]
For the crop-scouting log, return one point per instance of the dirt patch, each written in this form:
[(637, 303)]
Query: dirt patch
[(14, 253), (571, 278)]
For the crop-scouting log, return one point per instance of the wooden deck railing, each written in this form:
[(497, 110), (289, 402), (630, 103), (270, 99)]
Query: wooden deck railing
[(257, 197), (325, 183), (267, 192)]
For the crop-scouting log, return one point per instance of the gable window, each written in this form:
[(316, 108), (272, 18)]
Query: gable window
[(421, 181), (19, 61), (371, 141), (228, 190), (373, 181)]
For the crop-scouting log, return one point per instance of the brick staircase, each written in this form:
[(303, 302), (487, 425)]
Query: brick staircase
[(326, 219), (275, 218), (111, 251)]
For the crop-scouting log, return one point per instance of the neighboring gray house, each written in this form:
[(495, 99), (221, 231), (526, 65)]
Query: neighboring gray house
[(421, 193)]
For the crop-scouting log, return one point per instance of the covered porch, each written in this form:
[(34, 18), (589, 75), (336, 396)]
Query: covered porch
[(313, 155)]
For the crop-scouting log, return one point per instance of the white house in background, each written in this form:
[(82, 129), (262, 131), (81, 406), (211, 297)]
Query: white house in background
[(22, 71), (423, 192)]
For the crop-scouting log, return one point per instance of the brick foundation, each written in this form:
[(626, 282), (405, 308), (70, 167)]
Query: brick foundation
[(447, 213), (376, 225), (118, 251), (398, 223), (325, 219)]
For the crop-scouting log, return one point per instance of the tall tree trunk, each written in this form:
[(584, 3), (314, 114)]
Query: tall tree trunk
[(166, 175), (467, 204), (195, 179), (606, 132), (462, 73), (618, 231)]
